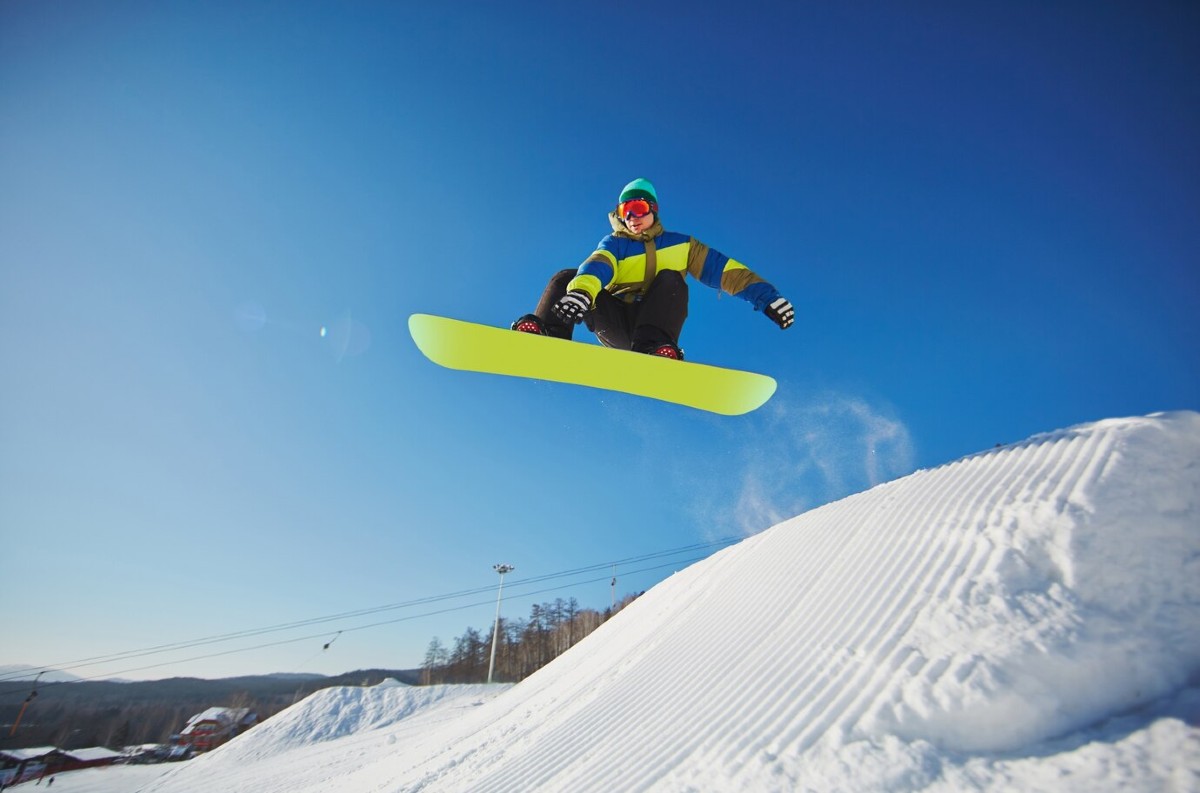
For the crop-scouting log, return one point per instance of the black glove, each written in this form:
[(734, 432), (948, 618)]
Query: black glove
[(781, 312), (571, 307)]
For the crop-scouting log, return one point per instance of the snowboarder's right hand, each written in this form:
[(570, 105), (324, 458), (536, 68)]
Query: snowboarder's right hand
[(571, 307)]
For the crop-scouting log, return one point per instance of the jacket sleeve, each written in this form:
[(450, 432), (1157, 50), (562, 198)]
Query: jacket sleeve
[(598, 270), (713, 268)]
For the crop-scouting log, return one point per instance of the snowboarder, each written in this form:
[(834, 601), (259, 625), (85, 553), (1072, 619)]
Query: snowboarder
[(632, 293)]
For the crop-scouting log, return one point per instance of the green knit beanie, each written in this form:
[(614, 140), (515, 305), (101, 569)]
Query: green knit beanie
[(639, 188)]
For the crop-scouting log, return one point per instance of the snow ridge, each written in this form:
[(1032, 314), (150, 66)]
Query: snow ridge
[(886, 641), (334, 713)]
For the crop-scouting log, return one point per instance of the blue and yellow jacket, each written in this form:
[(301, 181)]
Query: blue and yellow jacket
[(625, 263)]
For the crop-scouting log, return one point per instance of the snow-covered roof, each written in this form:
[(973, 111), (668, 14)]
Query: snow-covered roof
[(220, 715), (27, 754), (142, 748), (91, 754)]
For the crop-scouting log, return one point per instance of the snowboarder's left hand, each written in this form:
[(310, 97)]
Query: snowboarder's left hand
[(781, 312), (571, 307)]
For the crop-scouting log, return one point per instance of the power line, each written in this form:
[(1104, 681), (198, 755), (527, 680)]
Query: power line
[(250, 633)]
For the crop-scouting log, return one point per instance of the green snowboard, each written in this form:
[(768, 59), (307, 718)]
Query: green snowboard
[(482, 348)]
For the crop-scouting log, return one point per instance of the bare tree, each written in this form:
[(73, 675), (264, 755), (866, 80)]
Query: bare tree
[(436, 657)]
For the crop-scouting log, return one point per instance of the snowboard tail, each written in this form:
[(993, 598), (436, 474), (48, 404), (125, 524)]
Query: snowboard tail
[(472, 347)]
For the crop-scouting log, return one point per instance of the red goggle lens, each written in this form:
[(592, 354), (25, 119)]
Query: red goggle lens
[(635, 208)]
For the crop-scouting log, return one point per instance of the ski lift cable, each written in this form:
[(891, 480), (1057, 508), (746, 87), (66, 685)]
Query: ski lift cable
[(249, 633), (282, 642), (219, 638), (517, 584)]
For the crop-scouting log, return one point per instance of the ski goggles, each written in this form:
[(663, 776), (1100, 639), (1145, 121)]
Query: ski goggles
[(636, 208)]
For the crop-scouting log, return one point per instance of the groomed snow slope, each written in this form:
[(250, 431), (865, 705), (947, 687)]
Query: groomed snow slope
[(936, 631)]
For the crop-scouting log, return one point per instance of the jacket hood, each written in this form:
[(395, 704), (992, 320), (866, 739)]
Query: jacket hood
[(621, 230)]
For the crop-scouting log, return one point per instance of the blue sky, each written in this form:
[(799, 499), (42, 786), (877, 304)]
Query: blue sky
[(215, 220)]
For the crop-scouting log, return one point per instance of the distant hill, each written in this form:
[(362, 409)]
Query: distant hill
[(77, 714), (13, 672)]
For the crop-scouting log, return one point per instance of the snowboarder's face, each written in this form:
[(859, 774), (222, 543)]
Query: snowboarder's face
[(638, 225)]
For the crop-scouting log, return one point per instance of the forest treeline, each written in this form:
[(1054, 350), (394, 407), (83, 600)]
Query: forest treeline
[(523, 645)]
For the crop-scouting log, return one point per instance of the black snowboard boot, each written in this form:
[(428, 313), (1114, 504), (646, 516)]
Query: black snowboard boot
[(652, 340), (530, 323), (668, 351)]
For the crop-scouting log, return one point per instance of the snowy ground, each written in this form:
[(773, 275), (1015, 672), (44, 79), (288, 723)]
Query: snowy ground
[(117, 779), (1023, 619)]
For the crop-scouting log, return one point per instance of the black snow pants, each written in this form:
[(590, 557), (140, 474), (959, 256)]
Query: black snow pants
[(641, 325)]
